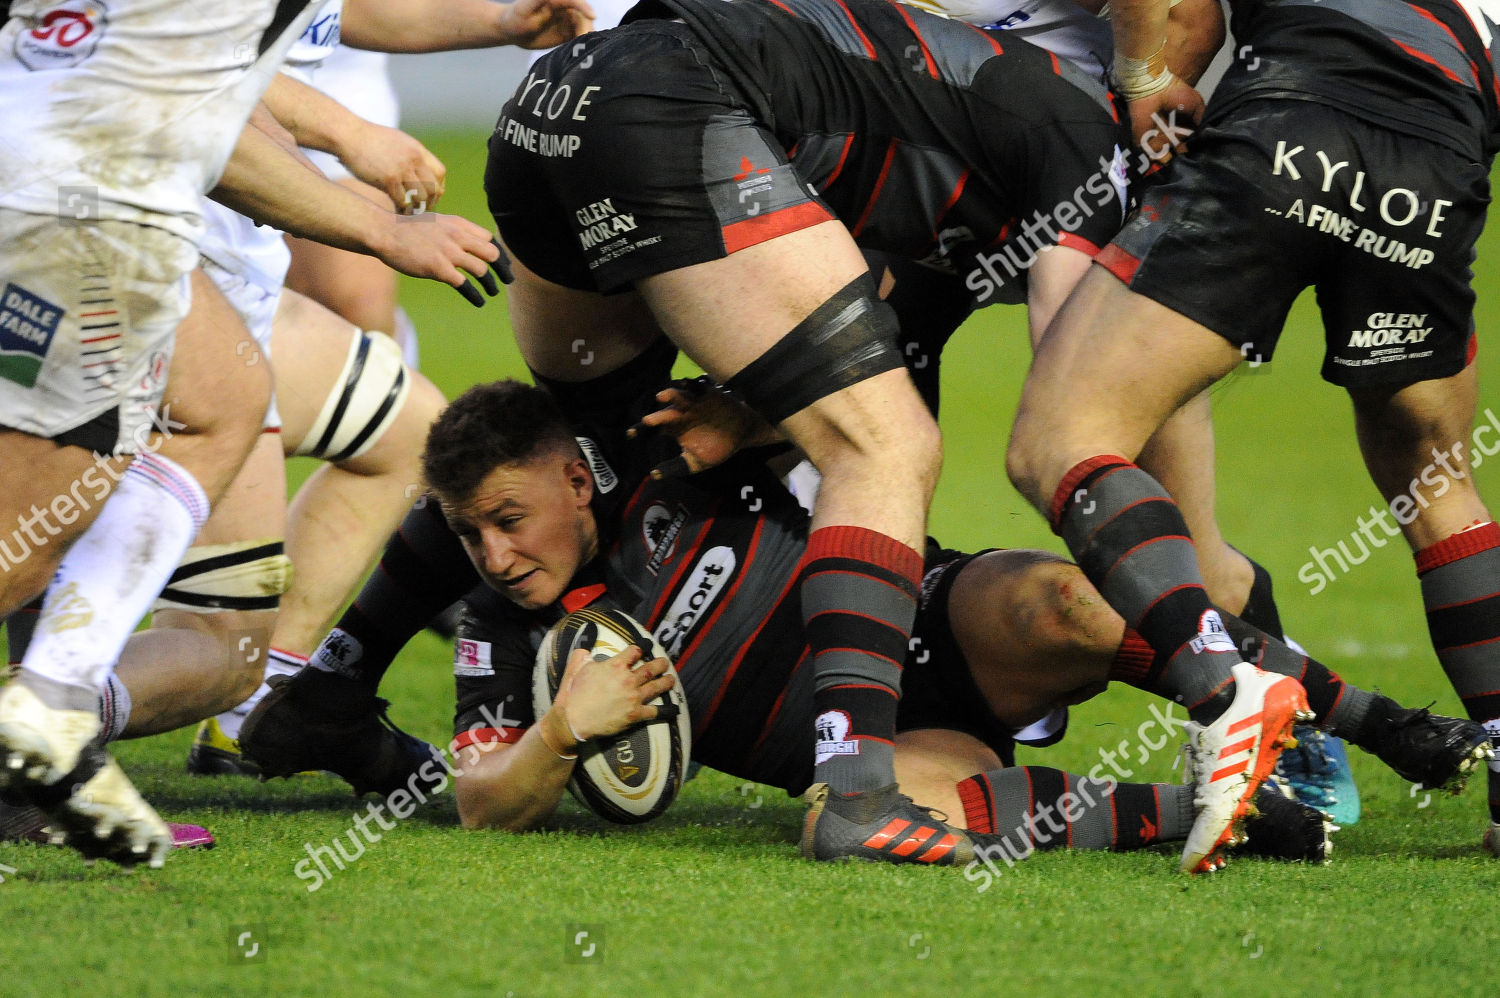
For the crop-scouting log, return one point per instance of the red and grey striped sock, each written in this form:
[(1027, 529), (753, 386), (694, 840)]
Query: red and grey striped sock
[(1461, 590), (859, 599), (1129, 538)]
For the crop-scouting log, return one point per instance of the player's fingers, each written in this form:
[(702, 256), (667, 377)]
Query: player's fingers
[(673, 467), (471, 293), (488, 282), (501, 263)]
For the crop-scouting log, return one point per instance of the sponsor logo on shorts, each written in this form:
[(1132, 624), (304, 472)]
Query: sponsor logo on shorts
[(833, 736), (660, 527), (27, 324), (605, 478), (64, 36), (1387, 337), (751, 182), (707, 580), (472, 658)]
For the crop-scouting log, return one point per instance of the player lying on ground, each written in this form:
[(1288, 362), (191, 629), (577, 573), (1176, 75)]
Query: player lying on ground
[(743, 249), (1307, 172), (1003, 639)]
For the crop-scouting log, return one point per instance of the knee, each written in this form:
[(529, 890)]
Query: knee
[(1067, 614)]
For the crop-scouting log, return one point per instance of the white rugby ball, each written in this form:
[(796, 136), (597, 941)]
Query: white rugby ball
[(635, 775)]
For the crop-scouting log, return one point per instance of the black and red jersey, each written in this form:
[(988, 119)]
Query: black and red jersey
[(1424, 68)]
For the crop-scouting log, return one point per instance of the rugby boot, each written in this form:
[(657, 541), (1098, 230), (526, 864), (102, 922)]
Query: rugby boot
[(319, 720), (21, 821), (1232, 757), (1279, 826), (52, 758), (879, 826), (1438, 752), (214, 753), (1317, 771)]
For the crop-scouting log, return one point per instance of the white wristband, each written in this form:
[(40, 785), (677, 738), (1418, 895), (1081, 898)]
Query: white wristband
[(1137, 78)]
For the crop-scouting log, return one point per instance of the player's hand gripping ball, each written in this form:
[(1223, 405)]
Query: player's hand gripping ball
[(635, 775)]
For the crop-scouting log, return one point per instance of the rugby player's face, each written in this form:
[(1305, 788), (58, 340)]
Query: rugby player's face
[(528, 527)]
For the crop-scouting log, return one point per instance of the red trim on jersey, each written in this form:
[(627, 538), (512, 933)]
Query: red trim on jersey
[(759, 228), (839, 168), (863, 686), (1454, 38), (485, 736), (958, 192), (726, 599), (1421, 56), (1473, 350), (576, 599), (745, 649), (784, 7), (994, 43), (1056, 66), (1118, 262), (1073, 241), (1458, 547), (926, 52), (864, 39), (1076, 474), (885, 171), (682, 565)]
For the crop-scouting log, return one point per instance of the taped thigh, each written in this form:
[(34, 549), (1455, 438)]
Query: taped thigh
[(366, 398), (246, 575)]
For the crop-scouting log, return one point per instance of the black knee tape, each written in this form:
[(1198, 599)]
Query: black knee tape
[(849, 338)]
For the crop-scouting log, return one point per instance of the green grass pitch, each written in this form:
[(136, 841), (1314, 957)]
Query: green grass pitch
[(713, 899)]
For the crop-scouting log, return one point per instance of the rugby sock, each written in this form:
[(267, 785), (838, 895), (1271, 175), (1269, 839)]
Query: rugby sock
[(859, 600), (114, 709), (423, 570), (19, 627), (1260, 609), (1033, 807), (1461, 589), (278, 663), (1130, 540), (1340, 708), (108, 580)]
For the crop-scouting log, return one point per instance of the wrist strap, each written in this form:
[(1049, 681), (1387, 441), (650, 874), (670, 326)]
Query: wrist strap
[(542, 731), (1137, 78)]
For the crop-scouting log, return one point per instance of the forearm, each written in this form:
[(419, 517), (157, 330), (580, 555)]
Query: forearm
[(314, 119), (1140, 27), (1195, 33), (516, 788), (267, 183), (424, 25)]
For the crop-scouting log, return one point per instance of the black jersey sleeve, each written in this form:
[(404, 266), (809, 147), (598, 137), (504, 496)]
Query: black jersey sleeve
[(493, 656)]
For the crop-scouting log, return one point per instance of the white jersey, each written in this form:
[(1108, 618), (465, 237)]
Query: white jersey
[(316, 42), (129, 109), (1059, 26)]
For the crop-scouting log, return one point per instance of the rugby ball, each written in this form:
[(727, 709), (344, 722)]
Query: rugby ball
[(635, 775)]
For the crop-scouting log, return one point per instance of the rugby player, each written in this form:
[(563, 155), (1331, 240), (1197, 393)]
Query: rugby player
[(730, 224), (100, 215), (1003, 639), (1307, 171)]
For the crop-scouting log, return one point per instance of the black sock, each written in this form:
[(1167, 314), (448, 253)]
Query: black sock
[(1260, 609)]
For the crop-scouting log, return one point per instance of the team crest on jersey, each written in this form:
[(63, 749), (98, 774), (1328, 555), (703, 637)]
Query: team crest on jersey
[(64, 36), (27, 324), (605, 478), (659, 528), (472, 658), (833, 736)]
